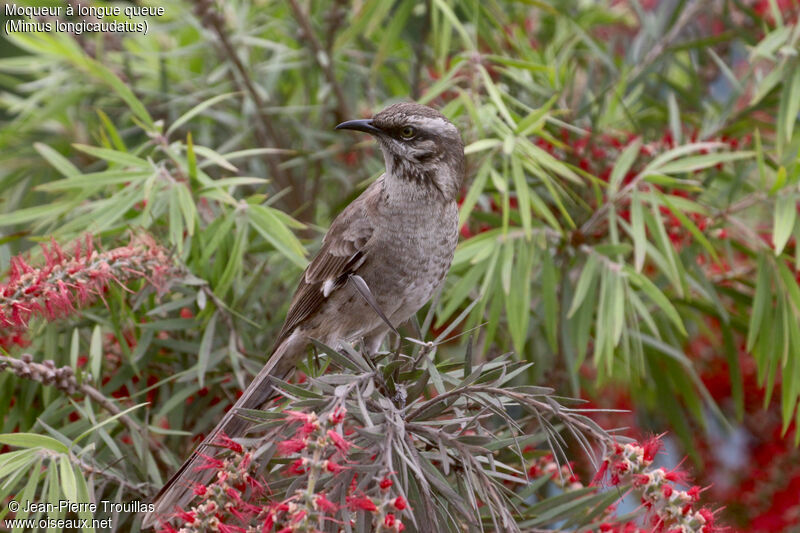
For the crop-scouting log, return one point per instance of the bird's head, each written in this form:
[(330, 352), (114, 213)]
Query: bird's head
[(419, 144)]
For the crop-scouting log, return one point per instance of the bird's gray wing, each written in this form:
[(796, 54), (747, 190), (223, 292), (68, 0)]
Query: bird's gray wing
[(344, 250)]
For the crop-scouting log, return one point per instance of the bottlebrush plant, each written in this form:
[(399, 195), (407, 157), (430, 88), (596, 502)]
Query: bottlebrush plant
[(628, 226), (355, 447)]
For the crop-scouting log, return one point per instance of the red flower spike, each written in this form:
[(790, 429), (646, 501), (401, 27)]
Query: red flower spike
[(227, 442), (288, 447), (298, 416), (385, 483), (337, 416), (333, 467), (296, 468), (400, 503), (361, 503), (651, 448), (339, 441), (325, 505)]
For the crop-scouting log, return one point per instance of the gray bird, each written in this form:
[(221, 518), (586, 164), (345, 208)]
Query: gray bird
[(399, 236)]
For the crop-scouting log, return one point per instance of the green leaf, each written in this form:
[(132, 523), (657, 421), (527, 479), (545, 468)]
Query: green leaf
[(266, 223), (191, 158), (586, 280), (214, 157), (638, 232), (107, 421), (96, 352), (113, 156), (521, 187), (700, 162), (96, 180), (658, 297), (689, 225), (66, 478), (760, 302), (783, 220), (792, 104), (204, 352), (58, 161), (199, 108), (550, 299), (33, 440), (623, 165)]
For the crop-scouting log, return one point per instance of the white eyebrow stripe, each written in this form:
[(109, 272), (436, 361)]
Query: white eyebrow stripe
[(437, 125)]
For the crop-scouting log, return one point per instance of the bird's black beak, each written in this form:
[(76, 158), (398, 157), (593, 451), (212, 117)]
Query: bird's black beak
[(364, 125)]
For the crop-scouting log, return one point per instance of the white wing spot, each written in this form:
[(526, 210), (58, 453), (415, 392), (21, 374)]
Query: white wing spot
[(327, 287)]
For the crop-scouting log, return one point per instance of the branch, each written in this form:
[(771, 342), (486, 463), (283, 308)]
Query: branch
[(687, 15), (324, 59), (63, 378), (264, 132)]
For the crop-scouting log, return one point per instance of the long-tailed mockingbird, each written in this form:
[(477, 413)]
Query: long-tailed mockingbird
[(398, 236)]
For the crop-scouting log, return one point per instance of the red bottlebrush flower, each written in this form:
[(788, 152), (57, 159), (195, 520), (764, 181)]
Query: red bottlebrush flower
[(269, 523), (325, 505), (288, 447), (676, 476), (333, 467), (361, 503), (186, 517), (227, 528), (389, 520), (297, 468), (298, 416), (210, 463), (601, 472), (200, 489), (385, 483), (339, 441), (651, 448), (400, 503), (708, 516), (337, 416), (667, 490), (226, 442), (64, 282)]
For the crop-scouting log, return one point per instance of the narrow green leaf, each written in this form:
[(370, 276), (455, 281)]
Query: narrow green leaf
[(276, 233), (658, 297), (96, 352), (33, 440), (623, 165), (191, 158), (783, 220), (204, 352), (584, 282), (113, 156), (638, 232), (66, 478), (550, 299), (57, 161), (760, 302), (199, 108)]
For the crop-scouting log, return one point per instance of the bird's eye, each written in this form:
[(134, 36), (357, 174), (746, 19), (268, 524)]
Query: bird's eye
[(407, 133)]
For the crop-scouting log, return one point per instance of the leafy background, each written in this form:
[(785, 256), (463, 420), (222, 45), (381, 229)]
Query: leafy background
[(629, 215)]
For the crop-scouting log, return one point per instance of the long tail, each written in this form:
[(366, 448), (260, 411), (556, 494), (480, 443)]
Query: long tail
[(179, 489)]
